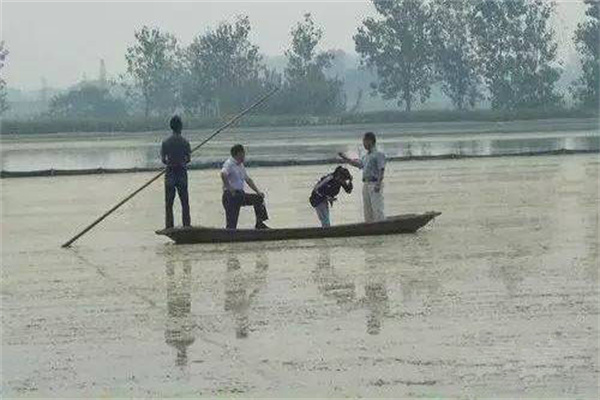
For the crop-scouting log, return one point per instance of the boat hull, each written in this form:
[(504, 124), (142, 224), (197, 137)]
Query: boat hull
[(407, 223)]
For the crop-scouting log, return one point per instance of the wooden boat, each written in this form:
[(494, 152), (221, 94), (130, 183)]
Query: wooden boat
[(406, 223)]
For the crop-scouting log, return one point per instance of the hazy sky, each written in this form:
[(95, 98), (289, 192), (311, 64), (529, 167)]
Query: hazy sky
[(62, 41)]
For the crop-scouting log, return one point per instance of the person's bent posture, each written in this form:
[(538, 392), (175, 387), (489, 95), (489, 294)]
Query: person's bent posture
[(234, 176), (324, 192), (373, 166), (175, 153)]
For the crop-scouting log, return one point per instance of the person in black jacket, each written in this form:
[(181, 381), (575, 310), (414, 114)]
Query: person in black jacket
[(324, 192), (175, 153)]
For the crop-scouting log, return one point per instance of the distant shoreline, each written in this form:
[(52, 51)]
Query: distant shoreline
[(267, 164), (48, 125)]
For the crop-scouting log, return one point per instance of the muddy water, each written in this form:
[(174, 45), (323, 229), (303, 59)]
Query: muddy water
[(497, 298), (288, 146)]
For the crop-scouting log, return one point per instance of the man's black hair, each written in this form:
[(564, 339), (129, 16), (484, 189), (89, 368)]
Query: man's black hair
[(237, 149), (370, 136), (176, 124)]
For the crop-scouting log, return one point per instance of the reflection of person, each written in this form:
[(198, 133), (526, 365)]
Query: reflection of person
[(237, 285), (373, 166), (510, 274), (331, 284), (324, 192), (234, 176), (179, 329), (175, 153), (376, 297)]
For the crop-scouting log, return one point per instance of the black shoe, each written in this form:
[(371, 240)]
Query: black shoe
[(261, 225)]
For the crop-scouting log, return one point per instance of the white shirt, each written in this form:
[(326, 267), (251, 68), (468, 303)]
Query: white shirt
[(236, 174)]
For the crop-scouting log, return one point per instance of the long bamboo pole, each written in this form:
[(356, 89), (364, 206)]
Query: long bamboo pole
[(145, 185)]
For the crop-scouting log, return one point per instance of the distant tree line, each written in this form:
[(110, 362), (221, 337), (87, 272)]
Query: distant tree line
[(501, 51), (88, 100), (222, 71), (3, 102), (587, 36)]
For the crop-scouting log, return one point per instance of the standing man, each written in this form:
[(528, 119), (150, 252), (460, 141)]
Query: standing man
[(373, 166), (234, 177), (175, 153)]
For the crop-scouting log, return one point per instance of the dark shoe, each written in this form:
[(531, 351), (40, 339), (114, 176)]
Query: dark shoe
[(261, 225)]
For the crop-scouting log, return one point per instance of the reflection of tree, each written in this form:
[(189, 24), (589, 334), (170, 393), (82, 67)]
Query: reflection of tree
[(458, 148), (241, 289), (408, 149), (180, 326), (425, 148)]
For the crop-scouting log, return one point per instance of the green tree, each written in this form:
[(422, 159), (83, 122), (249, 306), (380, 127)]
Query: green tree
[(154, 64), (397, 46), (587, 37), (3, 102), (87, 100), (518, 52), (225, 71), (454, 51), (307, 88)]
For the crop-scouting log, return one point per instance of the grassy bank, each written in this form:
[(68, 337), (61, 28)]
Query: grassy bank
[(139, 124)]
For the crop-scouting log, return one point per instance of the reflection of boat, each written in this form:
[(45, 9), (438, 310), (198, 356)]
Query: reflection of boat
[(407, 223)]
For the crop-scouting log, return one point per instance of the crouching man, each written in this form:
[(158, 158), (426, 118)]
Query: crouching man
[(234, 177)]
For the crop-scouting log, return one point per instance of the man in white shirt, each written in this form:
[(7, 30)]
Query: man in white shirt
[(234, 176), (373, 166)]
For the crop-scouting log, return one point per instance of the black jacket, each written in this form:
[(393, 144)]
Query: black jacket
[(328, 187), (175, 152)]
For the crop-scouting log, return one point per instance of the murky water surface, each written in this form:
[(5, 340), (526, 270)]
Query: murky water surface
[(497, 298)]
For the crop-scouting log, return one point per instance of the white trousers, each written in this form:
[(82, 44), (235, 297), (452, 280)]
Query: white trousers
[(372, 202)]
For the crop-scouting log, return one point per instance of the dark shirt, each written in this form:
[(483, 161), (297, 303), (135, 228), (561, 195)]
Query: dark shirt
[(328, 187), (175, 152)]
